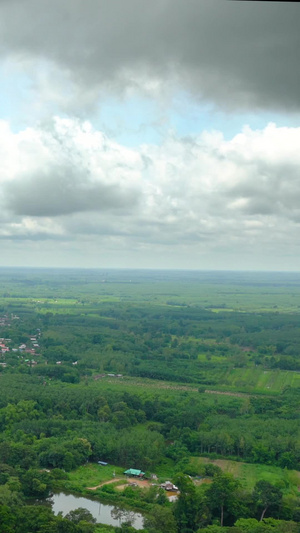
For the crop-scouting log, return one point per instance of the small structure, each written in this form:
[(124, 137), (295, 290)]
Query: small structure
[(102, 463), (133, 472), (168, 485)]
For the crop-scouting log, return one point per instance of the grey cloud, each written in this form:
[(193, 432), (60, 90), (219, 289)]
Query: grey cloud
[(62, 190), (239, 55), (34, 237), (261, 206), (104, 224)]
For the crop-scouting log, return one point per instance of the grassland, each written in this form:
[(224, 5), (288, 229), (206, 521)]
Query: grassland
[(248, 381), (256, 380), (248, 474), (91, 475)]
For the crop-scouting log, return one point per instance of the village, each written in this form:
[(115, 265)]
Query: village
[(26, 352)]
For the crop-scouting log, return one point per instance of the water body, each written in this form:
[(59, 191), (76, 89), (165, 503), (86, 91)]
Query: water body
[(104, 513)]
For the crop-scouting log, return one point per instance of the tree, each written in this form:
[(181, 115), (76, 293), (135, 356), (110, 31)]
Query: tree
[(221, 494), (36, 483), (247, 525), (265, 495), (6, 519), (161, 520), (189, 509), (33, 519), (79, 514)]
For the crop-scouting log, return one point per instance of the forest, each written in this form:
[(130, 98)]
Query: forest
[(192, 377)]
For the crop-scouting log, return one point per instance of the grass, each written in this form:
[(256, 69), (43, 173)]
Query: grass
[(250, 380), (248, 474), (91, 475), (165, 471), (257, 380)]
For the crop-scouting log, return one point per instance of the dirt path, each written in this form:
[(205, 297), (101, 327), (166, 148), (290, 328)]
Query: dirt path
[(236, 394), (139, 482), (143, 483), (105, 483)]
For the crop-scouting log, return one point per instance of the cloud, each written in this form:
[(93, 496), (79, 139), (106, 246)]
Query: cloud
[(237, 55), (61, 190), (66, 167), (200, 196)]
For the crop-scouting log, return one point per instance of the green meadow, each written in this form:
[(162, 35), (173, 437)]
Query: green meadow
[(249, 474)]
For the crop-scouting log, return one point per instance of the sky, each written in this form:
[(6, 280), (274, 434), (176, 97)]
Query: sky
[(138, 134)]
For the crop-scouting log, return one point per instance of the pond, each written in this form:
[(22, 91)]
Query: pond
[(104, 513)]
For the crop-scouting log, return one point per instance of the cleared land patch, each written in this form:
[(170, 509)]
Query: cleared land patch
[(248, 474)]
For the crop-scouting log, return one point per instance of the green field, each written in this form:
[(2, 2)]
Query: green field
[(91, 475), (249, 474), (257, 380)]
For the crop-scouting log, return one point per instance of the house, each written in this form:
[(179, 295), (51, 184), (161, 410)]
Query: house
[(30, 362), (134, 472), (168, 486)]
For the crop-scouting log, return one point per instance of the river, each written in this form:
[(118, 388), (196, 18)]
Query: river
[(104, 513)]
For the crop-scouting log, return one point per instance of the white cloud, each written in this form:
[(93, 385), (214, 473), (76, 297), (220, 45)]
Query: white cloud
[(67, 182)]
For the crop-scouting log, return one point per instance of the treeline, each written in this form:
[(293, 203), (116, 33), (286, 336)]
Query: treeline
[(63, 425)]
